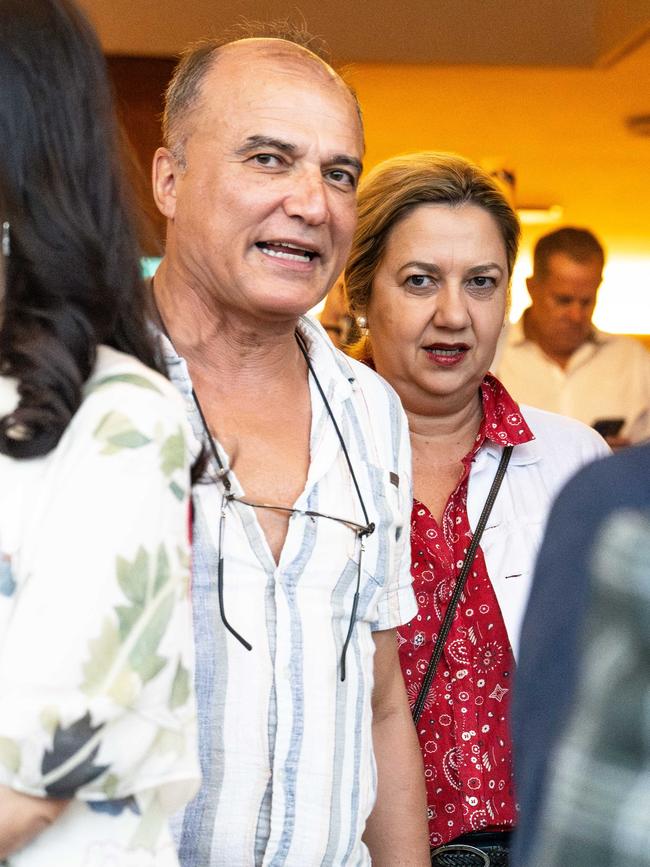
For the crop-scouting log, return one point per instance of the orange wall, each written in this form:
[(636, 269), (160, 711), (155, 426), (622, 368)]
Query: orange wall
[(562, 130)]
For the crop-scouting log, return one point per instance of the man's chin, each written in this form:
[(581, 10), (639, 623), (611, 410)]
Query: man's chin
[(293, 305)]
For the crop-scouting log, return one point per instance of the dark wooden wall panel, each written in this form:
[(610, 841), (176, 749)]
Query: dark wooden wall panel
[(139, 84)]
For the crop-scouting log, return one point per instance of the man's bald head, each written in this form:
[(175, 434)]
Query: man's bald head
[(271, 41)]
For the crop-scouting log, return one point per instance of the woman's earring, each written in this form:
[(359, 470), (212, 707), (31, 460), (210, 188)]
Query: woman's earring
[(6, 242), (362, 325)]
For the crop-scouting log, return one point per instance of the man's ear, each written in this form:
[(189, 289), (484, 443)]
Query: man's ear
[(165, 172)]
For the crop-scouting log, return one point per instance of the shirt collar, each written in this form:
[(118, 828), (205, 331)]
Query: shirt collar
[(328, 362), (502, 424)]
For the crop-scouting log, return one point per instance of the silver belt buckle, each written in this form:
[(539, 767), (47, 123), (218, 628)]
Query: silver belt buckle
[(463, 847)]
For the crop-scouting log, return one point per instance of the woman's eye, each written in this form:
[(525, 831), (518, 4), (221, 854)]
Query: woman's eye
[(483, 281), (419, 281)]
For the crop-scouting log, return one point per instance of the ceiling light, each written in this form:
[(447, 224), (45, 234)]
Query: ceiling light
[(534, 215)]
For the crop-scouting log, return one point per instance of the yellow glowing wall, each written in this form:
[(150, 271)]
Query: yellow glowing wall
[(563, 132)]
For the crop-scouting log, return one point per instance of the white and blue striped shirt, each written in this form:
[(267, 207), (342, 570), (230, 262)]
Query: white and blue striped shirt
[(289, 776)]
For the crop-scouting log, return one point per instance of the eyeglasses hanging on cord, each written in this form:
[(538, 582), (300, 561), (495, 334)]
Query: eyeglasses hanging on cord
[(222, 477)]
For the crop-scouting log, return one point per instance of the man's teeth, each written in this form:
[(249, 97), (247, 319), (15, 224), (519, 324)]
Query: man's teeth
[(289, 252)]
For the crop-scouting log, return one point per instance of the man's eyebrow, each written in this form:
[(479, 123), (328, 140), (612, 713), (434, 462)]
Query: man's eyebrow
[(347, 160), (254, 141)]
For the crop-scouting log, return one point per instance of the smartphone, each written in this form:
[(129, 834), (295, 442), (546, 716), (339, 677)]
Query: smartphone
[(608, 427)]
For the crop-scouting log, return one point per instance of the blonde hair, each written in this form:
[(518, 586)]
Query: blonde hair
[(397, 186)]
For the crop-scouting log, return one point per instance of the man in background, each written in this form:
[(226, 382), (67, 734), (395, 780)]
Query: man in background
[(555, 359)]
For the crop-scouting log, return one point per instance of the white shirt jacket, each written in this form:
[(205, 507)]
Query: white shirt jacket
[(536, 472), (607, 377)]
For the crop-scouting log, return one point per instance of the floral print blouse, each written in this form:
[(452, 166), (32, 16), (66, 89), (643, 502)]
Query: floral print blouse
[(96, 699)]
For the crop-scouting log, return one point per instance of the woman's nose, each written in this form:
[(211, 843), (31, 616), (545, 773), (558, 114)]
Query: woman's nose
[(451, 309)]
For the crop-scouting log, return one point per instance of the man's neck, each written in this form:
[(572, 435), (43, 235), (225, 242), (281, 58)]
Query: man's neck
[(220, 342)]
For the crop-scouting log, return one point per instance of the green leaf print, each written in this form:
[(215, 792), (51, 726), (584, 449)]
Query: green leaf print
[(130, 378), (172, 453), (180, 687), (143, 657), (176, 490), (9, 754), (118, 432), (103, 651), (126, 652), (133, 577), (162, 569), (110, 785)]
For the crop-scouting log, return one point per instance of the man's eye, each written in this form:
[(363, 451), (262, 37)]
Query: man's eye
[(267, 160), (341, 176)]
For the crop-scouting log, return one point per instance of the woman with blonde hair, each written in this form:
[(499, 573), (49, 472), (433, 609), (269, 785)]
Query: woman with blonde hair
[(428, 280)]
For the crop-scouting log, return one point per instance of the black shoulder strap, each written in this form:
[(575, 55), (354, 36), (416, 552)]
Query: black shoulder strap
[(460, 584)]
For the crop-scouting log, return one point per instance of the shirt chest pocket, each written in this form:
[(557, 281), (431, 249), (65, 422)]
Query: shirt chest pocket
[(371, 560), (510, 549), (382, 547)]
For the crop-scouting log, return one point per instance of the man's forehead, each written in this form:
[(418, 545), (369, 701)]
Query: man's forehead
[(561, 267), (274, 48), (247, 59), (268, 77)]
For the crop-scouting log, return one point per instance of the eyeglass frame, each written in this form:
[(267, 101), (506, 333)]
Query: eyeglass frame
[(360, 531)]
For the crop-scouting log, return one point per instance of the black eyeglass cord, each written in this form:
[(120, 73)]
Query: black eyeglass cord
[(369, 528), (224, 479)]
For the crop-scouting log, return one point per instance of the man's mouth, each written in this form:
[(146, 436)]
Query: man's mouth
[(287, 251)]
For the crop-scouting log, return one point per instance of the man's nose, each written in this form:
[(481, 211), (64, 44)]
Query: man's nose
[(577, 313), (307, 197)]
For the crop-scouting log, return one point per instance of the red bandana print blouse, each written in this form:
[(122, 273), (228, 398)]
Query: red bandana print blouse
[(463, 731)]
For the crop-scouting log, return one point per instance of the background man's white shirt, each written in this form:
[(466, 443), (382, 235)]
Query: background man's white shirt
[(607, 377)]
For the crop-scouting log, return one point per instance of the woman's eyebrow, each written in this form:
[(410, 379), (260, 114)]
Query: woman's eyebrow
[(476, 269), (424, 266)]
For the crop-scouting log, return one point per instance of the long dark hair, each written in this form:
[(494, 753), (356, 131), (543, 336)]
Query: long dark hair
[(71, 277)]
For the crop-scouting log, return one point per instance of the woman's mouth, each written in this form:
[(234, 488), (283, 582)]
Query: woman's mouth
[(446, 354)]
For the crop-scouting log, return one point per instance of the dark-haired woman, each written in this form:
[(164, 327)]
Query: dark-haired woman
[(429, 270), (97, 729)]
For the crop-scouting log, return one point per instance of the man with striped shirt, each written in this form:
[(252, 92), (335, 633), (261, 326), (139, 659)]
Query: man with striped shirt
[(301, 557)]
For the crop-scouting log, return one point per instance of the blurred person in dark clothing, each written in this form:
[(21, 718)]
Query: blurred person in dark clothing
[(571, 580)]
